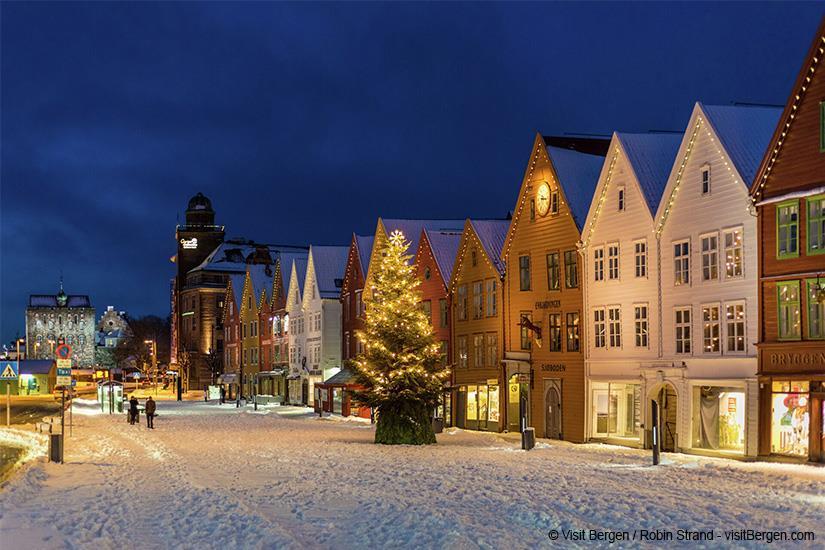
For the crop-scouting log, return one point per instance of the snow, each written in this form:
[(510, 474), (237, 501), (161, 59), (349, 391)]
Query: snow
[(214, 476)]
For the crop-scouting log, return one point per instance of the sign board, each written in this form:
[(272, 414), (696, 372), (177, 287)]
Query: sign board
[(64, 376), (63, 351), (74, 382), (8, 370)]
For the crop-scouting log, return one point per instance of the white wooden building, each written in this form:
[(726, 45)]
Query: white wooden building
[(297, 393), (621, 291)]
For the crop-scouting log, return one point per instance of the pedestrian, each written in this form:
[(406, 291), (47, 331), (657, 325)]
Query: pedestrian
[(133, 410), (150, 413)]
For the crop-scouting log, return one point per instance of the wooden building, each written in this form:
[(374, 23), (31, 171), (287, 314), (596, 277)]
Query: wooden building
[(297, 384), (352, 295), (476, 310), (544, 362), (789, 194)]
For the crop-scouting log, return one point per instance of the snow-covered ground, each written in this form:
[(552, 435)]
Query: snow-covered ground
[(212, 476)]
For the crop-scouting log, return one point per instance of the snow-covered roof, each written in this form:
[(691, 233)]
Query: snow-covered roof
[(237, 281), (412, 229), (745, 132), (342, 377), (444, 245), (261, 277), (651, 156), (230, 256), (329, 263), (300, 272), (50, 300), (578, 174), (36, 366), (492, 234), (364, 244)]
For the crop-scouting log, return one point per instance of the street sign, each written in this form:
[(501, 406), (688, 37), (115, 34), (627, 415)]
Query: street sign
[(64, 376), (63, 351), (64, 364), (8, 370), (74, 382)]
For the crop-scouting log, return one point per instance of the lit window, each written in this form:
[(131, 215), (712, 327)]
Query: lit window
[(710, 257), (683, 330), (787, 230), (599, 328), (598, 264), (572, 332), (641, 325), (788, 310), (681, 263), (613, 262), (525, 332), (816, 224), (816, 311), (710, 329), (735, 321), (733, 253)]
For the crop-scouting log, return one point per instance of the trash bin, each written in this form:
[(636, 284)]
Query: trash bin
[(56, 448), (528, 438), (438, 425)]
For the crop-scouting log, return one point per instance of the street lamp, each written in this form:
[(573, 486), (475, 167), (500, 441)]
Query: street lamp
[(154, 355)]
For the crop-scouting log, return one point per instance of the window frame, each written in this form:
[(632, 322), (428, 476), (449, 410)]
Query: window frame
[(684, 281), (637, 255), (641, 326), (621, 198), (728, 231), (821, 218), (614, 338), (478, 299), (490, 297), (611, 258), (811, 283), (525, 343), (779, 303), (786, 204), (554, 333), (710, 323), (599, 328), (555, 202), (711, 253), (521, 271), (705, 170), (571, 267), (689, 325), (555, 270), (598, 264), (573, 330), (744, 305)]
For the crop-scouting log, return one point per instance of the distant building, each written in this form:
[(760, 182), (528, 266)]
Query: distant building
[(112, 329), (52, 318)]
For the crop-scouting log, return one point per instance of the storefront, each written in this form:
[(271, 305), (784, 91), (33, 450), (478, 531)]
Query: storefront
[(270, 386), (336, 395), (478, 406), (616, 412), (719, 414)]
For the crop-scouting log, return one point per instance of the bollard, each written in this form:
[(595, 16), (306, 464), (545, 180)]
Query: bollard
[(528, 438), (56, 448)]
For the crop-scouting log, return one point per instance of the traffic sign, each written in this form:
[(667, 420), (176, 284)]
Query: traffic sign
[(8, 370), (64, 364), (63, 351), (64, 376)]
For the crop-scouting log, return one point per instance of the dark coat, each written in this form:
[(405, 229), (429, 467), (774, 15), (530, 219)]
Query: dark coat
[(133, 405), (150, 406)]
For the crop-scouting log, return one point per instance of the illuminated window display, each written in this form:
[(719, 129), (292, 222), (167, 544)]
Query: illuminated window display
[(616, 410), (482, 409), (719, 418), (790, 418)]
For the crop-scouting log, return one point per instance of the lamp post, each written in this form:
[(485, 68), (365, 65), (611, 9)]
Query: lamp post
[(154, 355)]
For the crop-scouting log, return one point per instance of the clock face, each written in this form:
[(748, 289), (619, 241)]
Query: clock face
[(543, 199)]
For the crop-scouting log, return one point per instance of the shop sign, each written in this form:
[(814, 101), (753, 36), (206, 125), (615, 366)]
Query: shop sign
[(524, 378), (548, 304), (189, 244), (796, 359), (492, 381), (553, 367)]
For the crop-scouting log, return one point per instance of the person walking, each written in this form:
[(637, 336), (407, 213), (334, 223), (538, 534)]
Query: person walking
[(133, 410), (150, 413)]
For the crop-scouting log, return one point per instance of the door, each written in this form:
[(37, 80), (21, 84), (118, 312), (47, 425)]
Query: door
[(552, 409), (667, 412)]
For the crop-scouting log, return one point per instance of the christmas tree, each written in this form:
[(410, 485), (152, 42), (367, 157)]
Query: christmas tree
[(400, 369)]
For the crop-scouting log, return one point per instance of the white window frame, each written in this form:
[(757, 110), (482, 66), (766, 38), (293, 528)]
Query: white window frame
[(705, 169), (599, 328), (731, 231), (708, 324), (710, 254), (640, 258), (614, 337), (598, 264), (641, 326), (680, 281), (677, 325), (621, 198), (744, 305), (610, 260)]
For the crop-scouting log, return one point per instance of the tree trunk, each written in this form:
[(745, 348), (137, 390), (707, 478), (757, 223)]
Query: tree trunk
[(404, 424)]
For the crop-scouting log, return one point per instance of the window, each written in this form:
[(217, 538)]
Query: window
[(478, 300), (492, 349), (641, 329), (788, 310), (359, 304), (491, 298), (710, 257), (822, 126), (347, 303), (598, 328), (462, 302), (442, 351), (719, 418), (572, 332), (733, 253), (681, 262), (442, 313), (532, 209), (790, 405), (525, 332), (735, 329), (816, 313), (524, 272), (555, 331), (614, 316), (427, 273), (706, 179), (554, 201), (816, 224), (427, 308), (787, 230), (474, 258), (710, 329), (683, 330), (571, 269), (462, 351), (598, 264), (620, 199), (553, 271), (613, 261), (640, 258), (478, 350)]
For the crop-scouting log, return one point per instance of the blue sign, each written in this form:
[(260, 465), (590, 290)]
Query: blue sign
[(8, 370)]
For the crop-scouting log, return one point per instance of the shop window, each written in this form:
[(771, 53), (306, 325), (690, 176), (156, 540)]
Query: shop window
[(787, 230), (472, 403), (553, 271), (719, 418), (816, 312), (733, 253), (524, 272), (790, 418), (491, 297), (735, 329), (598, 264), (573, 332), (816, 224), (640, 258), (616, 410), (710, 329), (554, 326), (710, 257), (788, 310), (641, 325), (571, 269)]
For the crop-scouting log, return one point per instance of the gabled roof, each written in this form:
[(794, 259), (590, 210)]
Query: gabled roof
[(412, 228), (797, 95), (237, 281), (342, 377), (300, 274), (364, 244), (230, 256), (578, 174), (36, 366), (444, 245), (261, 276), (491, 234), (329, 263), (744, 132), (651, 157), (50, 300)]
